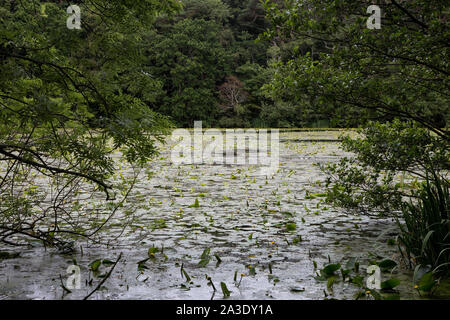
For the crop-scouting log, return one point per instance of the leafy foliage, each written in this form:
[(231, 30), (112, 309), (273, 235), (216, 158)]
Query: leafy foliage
[(384, 153), (341, 68), (190, 60), (426, 227), (68, 101), (393, 82)]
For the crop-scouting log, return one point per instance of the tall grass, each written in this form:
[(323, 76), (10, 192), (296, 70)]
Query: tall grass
[(425, 229)]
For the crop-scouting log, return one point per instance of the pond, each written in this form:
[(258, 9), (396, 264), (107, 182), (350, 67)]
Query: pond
[(264, 237)]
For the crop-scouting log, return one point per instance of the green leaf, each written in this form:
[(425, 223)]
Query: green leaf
[(219, 260), (425, 240), (297, 239), (205, 258), (196, 204), (390, 284), (291, 226), (205, 253), (426, 283), (204, 262), (330, 269), (141, 265), (358, 280), (152, 251), (387, 265), (330, 282), (186, 275), (95, 265), (225, 291)]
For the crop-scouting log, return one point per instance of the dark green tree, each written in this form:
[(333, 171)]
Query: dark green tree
[(351, 72), (191, 60), (69, 100), (394, 82), (194, 53)]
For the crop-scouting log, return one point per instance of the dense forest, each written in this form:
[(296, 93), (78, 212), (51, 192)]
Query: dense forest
[(212, 63)]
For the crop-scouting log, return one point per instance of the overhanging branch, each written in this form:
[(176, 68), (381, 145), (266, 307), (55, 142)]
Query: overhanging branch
[(55, 169)]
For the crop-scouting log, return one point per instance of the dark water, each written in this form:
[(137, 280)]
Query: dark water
[(243, 217)]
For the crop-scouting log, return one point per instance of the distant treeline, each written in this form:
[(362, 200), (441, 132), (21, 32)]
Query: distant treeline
[(215, 62)]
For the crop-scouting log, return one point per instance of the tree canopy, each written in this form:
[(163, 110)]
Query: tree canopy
[(340, 67), (391, 81), (70, 98)]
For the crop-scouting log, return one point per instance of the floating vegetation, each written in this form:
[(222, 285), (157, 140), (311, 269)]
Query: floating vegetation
[(233, 230), (205, 258), (196, 204), (225, 291)]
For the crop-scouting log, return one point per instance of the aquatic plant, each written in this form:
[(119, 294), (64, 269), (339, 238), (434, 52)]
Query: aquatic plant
[(425, 231)]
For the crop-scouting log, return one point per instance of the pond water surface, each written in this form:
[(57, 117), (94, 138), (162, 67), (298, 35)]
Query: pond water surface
[(271, 235)]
